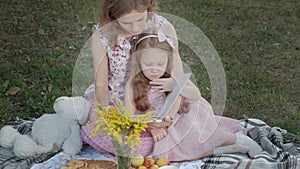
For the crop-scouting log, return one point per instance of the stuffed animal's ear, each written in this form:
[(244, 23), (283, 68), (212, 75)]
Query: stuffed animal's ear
[(60, 104), (82, 108)]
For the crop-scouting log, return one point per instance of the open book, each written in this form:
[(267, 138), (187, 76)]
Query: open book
[(172, 97)]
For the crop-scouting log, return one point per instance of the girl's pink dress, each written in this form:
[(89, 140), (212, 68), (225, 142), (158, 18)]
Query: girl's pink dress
[(119, 59), (194, 133)]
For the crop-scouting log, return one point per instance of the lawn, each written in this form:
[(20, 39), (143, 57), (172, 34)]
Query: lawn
[(258, 43)]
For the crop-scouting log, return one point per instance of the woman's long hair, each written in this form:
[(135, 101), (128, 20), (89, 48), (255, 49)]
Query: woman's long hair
[(111, 10)]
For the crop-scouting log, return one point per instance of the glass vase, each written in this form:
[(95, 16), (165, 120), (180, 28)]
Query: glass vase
[(123, 162), (122, 153)]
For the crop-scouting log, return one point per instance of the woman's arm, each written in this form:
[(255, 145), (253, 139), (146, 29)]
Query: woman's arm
[(190, 90), (101, 69)]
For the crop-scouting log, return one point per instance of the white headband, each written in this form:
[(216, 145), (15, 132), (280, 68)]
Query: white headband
[(161, 38)]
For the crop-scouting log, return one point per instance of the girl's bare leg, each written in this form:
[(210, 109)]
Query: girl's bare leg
[(229, 146), (231, 141), (254, 148), (209, 153), (239, 143)]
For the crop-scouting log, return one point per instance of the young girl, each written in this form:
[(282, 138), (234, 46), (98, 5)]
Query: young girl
[(190, 130), (111, 47)]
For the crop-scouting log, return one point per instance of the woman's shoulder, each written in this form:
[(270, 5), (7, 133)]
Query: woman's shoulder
[(163, 24), (99, 33), (99, 37), (158, 20)]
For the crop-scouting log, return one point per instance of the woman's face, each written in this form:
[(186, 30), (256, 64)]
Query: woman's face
[(153, 63), (133, 22)]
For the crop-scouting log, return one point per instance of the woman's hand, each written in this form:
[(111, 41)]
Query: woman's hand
[(158, 133), (162, 124), (158, 130), (163, 84)]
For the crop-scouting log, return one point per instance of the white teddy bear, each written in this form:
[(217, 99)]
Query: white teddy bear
[(51, 132)]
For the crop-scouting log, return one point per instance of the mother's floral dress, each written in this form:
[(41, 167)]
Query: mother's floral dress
[(119, 60)]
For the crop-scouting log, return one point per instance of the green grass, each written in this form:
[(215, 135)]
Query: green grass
[(257, 41)]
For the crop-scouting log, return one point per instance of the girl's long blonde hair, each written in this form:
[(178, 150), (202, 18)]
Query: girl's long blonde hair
[(140, 83)]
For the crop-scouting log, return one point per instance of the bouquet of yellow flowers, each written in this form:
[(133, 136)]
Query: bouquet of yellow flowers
[(122, 125)]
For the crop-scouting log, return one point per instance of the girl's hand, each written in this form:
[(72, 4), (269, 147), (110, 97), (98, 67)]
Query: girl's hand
[(167, 120), (158, 133), (163, 84)]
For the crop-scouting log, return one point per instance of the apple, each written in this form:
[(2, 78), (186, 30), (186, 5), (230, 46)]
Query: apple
[(148, 162), (136, 160), (142, 167), (154, 167), (162, 161)]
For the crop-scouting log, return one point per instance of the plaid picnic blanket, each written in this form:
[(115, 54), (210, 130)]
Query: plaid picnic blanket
[(277, 154), (7, 158)]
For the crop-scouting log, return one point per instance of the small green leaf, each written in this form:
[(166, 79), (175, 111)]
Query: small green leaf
[(42, 31)]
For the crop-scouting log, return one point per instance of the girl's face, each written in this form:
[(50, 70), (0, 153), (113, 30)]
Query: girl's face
[(153, 63), (133, 22)]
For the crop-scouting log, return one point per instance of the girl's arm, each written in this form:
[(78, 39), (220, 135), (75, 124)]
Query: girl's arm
[(167, 120), (189, 91), (101, 69), (175, 108), (128, 97)]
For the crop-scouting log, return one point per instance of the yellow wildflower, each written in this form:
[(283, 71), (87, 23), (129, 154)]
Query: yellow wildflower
[(119, 123)]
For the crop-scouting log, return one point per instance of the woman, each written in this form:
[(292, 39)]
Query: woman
[(111, 48)]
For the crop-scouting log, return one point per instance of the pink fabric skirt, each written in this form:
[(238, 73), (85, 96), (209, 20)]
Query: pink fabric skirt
[(195, 133)]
